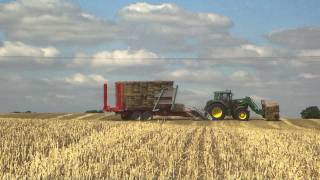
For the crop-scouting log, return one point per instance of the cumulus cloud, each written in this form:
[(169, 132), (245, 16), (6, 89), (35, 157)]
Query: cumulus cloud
[(310, 52), (308, 75), (33, 53), (225, 74), (62, 96), (193, 97), (169, 28), (53, 22), (244, 50), (116, 58), (12, 78), (242, 75), (258, 99), (158, 28), (81, 79), (298, 38), (189, 75), (172, 14)]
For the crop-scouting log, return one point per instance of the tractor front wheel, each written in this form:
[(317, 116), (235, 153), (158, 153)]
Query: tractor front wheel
[(217, 111), (243, 114)]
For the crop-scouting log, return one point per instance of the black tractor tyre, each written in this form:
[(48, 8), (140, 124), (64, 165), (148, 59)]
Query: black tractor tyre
[(242, 114), (217, 111), (147, 115), (136, 115)]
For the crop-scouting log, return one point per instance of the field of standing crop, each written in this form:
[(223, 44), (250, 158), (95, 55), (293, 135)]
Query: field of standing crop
[(93, 146)]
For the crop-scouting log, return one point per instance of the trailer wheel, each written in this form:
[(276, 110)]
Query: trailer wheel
[(136, 115), (147, 115), (125, 116)]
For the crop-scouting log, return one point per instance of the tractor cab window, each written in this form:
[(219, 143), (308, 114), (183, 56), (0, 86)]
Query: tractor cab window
[(225, 97)]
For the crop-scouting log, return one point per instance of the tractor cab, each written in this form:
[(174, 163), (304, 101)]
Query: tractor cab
[(224, 96)]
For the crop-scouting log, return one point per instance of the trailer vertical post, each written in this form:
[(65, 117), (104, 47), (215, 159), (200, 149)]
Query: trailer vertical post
[(105, 97), (119, 96), (174, 97)]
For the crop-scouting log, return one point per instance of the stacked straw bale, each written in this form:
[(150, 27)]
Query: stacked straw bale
[(271, 110), (142, 93)]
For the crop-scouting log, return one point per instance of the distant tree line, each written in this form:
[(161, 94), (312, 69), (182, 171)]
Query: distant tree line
[(88, 111), (311, 112), (22, 112)]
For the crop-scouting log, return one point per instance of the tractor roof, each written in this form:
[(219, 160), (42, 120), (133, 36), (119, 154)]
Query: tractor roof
[(226, 91)]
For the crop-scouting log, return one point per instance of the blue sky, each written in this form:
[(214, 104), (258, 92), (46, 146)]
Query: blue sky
[(89, 33)]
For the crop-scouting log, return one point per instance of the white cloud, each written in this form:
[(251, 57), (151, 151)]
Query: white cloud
[(312, 52), (308, 75), (81, 79), (12, 78), (20, 49), (240, 75), (123, 58), (117, 58), (147, 8), (62, 96), (138, 25), (257, 99), (244, 50), (261, 51), (297, 63), (170, 13), (190, 75), (193, 97), (298, 38), (169, 28), (89, 16), (53, 22)]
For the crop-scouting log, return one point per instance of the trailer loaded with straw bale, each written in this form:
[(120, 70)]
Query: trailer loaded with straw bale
[(141, 100)]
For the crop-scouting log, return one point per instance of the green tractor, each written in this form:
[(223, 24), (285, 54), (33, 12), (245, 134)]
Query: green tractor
[(223, 105)]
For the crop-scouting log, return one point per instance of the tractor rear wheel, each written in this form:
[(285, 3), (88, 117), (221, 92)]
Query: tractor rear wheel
[(243, 114), (217, 111)]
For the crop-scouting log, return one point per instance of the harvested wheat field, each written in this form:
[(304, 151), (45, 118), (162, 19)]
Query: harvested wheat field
[(97, 146)]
